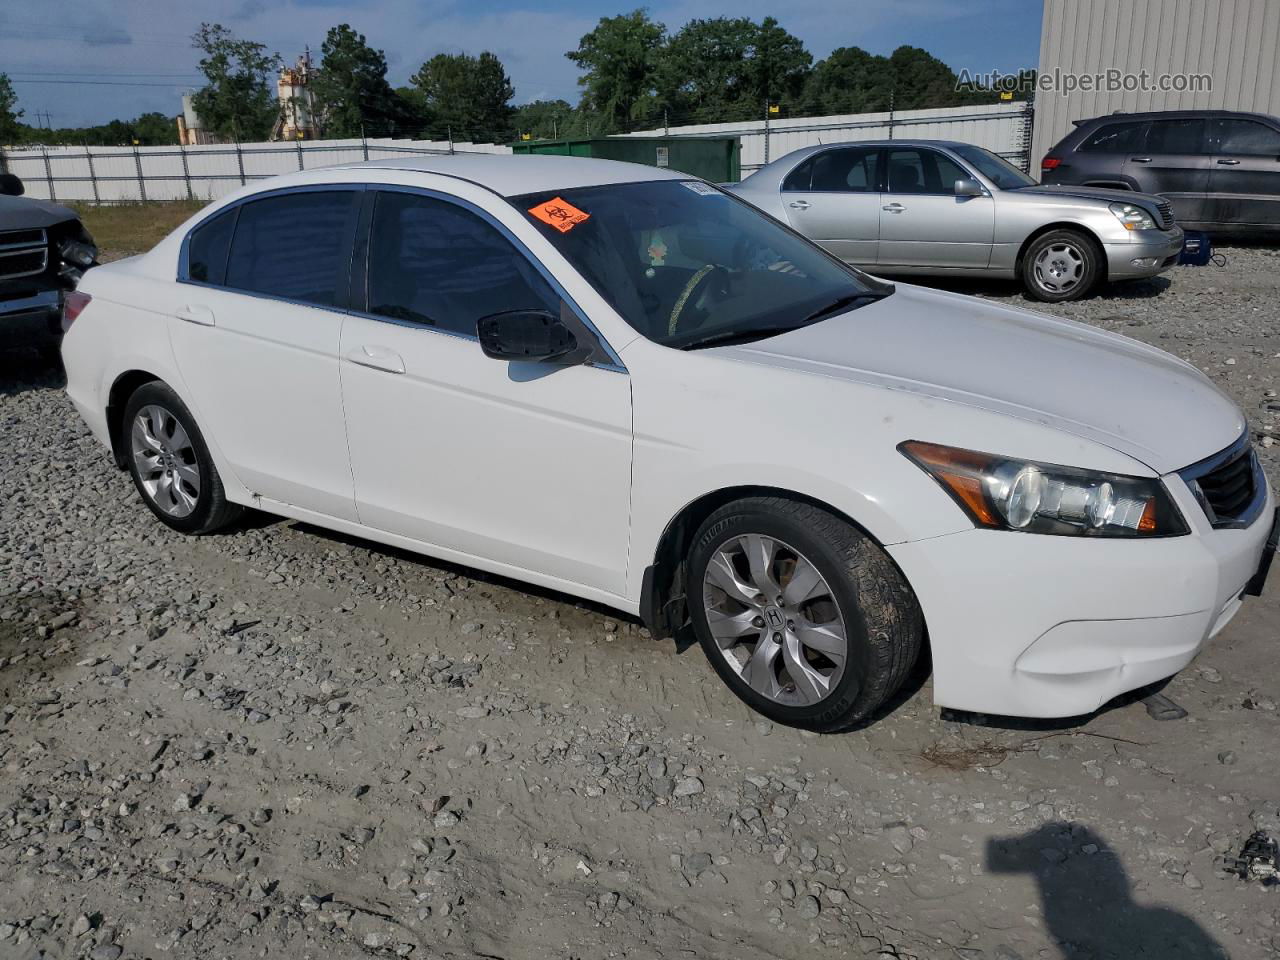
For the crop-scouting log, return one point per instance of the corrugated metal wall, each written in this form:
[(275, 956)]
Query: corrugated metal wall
[(1234, 41), (997, 126)]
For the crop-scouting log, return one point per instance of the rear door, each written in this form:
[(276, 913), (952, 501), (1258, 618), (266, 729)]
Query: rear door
[(922, 221), (833, 198), (1174, 162), (1245, 179), (257, 344)]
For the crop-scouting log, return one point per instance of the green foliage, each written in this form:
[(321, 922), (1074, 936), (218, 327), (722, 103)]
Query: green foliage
[(546, 120), (466, 97), (9, 112), (351, 91), (621, 59), (852, 80), (238, 100)]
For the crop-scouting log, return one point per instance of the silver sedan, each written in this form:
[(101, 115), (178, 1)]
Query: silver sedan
[(952, 209)]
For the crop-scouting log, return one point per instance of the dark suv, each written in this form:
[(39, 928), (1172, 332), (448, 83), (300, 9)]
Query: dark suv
[(1220, 170)]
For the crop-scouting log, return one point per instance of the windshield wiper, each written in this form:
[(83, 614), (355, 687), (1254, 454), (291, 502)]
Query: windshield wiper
[(835, 306)]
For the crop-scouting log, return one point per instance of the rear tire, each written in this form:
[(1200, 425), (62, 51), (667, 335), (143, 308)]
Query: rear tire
[(807, 594), (1061, 265), (170, 462)]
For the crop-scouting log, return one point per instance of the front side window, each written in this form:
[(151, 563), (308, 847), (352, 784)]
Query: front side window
[(995, 168), (686, 265), (1184, 135), (923, 171), (1115, 138), (1247, 138), (293, 245), (437, 264), (208, 246)]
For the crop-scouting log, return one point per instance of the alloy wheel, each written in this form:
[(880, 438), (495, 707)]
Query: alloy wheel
[(775, 620), (1059, 267), (166, 461)]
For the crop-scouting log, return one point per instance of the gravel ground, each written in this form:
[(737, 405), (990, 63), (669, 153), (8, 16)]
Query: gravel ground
[(280, 742)]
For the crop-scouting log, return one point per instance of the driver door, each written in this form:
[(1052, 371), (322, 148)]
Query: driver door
[(922, 221), (523, 464)]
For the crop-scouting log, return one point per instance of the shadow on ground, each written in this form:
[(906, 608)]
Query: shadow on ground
[(1087, 898)]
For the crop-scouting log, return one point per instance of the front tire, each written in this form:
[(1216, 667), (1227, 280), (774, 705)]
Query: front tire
[(170, 462), (1061, 265), (803, 616)]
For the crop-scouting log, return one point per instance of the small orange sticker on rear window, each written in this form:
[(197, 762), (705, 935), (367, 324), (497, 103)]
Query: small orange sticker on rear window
[(559, 213)]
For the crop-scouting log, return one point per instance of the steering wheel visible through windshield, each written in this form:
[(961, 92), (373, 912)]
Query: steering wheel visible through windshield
[(687, 265)]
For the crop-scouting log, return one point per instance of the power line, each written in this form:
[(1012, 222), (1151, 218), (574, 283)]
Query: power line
[(105, 83), (95, 73)]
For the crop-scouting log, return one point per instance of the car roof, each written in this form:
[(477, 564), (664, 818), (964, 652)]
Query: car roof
[(792, 159), (1174, 115), (514, 174)]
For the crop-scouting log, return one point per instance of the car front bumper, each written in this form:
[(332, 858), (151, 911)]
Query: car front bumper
[(1143, 253), (1041, 626), (47, 303)]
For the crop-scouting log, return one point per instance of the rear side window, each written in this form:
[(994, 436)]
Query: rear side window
[(1114, 138), (294, 245), (799, 178), (435, 263), (1184, 135), (846, 171), (1247, 138), (207, 248)]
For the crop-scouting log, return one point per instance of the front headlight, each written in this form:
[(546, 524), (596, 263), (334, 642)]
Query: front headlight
[(1132, 216), (79, 253), (1031, 497)]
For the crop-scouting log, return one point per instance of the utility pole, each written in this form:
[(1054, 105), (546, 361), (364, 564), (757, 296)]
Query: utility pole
[(766, 131)]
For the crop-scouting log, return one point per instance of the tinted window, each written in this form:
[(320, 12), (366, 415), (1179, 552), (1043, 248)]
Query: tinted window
[(1247, 138), (1175, 136), (846, 171), (207, 249), (293, 245), (1114, 138), (435, 263), (995, 168), (923, 171), (798, 179)]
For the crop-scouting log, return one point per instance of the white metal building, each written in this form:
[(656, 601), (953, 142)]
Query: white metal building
[(1234, 42)]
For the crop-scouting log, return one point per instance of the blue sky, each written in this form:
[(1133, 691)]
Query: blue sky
[(119, 58)]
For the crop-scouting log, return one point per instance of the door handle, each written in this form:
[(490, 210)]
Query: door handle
[(196, 313), (1140, 159), (893, 208), (1227, 161), (799, 204), (376, 358)]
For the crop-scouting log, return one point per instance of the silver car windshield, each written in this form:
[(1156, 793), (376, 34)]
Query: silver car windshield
[(687, 265), (996, 169)]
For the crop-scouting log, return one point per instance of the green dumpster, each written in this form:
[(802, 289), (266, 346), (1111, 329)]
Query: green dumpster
[(712, 158)]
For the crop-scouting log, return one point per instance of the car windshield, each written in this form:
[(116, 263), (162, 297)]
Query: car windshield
[(996, 169), (689, 266)]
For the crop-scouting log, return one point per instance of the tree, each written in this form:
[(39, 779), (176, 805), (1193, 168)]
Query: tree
[(154, 129), (704, 71), (9, 112), (237, 102), (351, 91), (778, 66), (621, 58), (851, 80), (544, 119), (469, 98)]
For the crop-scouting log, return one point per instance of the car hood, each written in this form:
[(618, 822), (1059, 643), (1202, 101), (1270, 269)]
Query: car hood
[(1106, 194), (1065, 375), (21, 213)]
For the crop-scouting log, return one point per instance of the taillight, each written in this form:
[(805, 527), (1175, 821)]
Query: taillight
[(1050, 163), (73, 305)]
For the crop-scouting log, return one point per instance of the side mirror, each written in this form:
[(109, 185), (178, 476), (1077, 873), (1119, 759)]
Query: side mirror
[(968, 187), (11, 186), (526, 335)]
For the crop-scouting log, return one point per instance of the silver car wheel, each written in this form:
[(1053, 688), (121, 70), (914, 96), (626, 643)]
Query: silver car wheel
[(1059, 267), (775, 620), (166, 461)]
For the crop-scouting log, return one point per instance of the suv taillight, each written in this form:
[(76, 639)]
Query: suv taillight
[(73, 305), (1049, 163)]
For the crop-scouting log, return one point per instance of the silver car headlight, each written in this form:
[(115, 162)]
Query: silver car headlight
[(1024, 495), (1132, 216)]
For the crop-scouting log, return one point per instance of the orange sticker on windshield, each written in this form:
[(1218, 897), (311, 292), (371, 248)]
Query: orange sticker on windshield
[(558, 213)]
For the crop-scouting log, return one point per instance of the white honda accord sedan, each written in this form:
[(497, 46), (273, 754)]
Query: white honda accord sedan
[(624, 384)]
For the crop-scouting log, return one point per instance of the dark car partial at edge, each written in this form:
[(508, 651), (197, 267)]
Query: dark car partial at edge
[(1220, 169)]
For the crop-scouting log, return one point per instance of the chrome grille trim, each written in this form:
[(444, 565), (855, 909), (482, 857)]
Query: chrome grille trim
[(1215, 478), (20, 250)]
